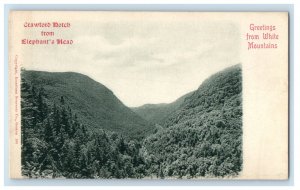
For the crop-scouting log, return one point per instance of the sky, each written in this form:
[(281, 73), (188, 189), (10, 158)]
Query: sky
[(142, 58)]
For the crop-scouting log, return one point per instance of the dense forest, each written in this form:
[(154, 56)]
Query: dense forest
[(55, 144), (202, 137)]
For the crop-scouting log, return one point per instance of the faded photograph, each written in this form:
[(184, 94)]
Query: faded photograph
[(148, 95), (134, 99)]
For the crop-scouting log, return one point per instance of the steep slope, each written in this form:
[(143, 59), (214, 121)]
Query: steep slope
[(56, 145), (95, 105), (204, 136), (157, 113)]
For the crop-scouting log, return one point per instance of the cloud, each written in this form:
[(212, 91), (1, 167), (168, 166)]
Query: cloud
[(144, 62)]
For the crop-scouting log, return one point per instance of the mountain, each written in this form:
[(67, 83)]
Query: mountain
[(95, 105), (218, 92), (157, 113), (203, 137), (62, 112), (56, 145)]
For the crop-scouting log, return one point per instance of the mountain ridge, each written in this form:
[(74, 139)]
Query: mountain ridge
[(95, 104)]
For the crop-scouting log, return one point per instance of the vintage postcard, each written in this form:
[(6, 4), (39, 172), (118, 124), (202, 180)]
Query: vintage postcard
[(148, 95)]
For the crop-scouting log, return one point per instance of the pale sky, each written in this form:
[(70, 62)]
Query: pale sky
[(141, 59)]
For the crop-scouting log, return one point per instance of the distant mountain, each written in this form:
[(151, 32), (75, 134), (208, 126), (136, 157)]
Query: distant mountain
[(203, 137), (157, 113), (95, 105)]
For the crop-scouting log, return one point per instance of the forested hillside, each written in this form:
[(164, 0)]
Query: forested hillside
[(95, 105), (202, 137), (56, 145)]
